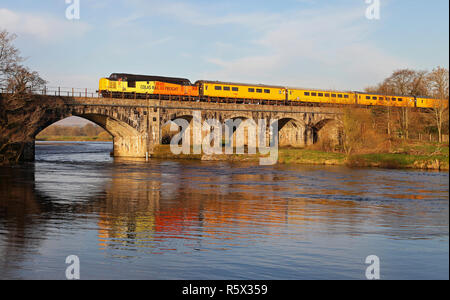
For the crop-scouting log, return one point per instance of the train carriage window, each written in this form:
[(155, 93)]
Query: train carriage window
[(235, 89), (226, 88), (346, 96), (327, 95), (218, 88), (340, 96), (394, 99), (314, 94), (320, 94), (259, 90), (367, 97), (333, 95), (251, 90), (306, 93), (267, 91), (400, 99), (374, 98)]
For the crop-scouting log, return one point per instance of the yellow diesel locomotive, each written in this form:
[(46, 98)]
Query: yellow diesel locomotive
[(120, 85)]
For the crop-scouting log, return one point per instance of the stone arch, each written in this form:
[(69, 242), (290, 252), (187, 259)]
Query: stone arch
[(127, 140), (292, 132), (328, 132), (234, 118), (324, 122), (187, 117), (165, 133), (179, 114), (237, 121), (100, 116), (113, 126)]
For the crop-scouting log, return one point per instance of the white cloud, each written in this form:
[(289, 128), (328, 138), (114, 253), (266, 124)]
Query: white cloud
[(194, 14), (41, 27), (325, 49)]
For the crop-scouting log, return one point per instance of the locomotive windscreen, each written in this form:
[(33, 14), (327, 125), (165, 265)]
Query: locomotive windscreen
[(133, 77)]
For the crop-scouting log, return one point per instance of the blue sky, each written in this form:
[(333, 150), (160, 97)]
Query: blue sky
[(306, 43)]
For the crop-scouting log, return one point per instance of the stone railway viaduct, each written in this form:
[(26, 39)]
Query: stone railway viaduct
[(136, 124)]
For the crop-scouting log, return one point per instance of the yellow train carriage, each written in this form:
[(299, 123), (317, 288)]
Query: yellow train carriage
[(424, 102), (241, 91), (318, 96), (131, 87), (383, 100)]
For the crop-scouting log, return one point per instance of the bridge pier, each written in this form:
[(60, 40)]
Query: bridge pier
[(310, 136), (135, 138), (131, 146), (28, 151)]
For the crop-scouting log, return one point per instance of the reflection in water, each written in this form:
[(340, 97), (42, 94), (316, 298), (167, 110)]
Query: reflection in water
[(216, 220)]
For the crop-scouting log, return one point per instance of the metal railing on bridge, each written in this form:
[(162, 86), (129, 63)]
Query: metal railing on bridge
[(61, 92)]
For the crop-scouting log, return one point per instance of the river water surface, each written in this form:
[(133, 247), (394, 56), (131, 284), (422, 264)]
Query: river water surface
[(131, 219)]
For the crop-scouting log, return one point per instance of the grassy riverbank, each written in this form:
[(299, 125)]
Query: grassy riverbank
[(86, 133), (433, 160), (409, 156)]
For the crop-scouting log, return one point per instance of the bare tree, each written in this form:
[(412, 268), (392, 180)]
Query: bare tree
[(438, 83), (385, 88), (406, 82), (9, 57), (22, 81), (353, 124), (15, 78)]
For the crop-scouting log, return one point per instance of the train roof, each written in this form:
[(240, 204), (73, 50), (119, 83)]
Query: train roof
[(318, 90), (240, 84), (135, 77)]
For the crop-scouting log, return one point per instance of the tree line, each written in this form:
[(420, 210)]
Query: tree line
[(419, 83), (88, 130)]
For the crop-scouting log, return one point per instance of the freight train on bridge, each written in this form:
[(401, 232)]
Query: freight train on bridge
[(120, 85)]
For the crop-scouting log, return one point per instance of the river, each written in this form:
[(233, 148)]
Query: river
[(131, 219)]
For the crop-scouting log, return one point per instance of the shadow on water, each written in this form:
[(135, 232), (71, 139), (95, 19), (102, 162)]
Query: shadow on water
[(167, 218)]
